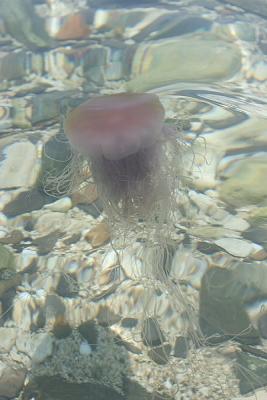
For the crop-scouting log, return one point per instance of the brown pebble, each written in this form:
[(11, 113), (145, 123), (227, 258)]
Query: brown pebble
[(259, 255), (87, 195), (99, 235), (75, 27)]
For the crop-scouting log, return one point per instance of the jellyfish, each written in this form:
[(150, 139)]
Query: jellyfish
[(135, 158), (132, 153)]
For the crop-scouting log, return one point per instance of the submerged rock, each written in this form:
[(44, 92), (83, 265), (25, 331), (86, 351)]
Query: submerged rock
[(245, 185), (189, 59), (223, 296), (23, 24)]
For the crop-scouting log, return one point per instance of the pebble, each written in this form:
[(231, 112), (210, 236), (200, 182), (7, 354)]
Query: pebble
[(61, 205), (236, 247), (19, 166), (99, 235), (7, 339), (11, 380), (197, 52), (85, 349)]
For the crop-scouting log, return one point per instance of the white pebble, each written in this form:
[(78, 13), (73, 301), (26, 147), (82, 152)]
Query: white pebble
[(85, 349)]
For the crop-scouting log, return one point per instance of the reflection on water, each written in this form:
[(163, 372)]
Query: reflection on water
[(95, 310)]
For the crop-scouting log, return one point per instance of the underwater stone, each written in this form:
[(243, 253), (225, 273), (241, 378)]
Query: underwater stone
[(7, 260), (251, 372), (13, 65), (25, 202), (16, 169), (257, 7), (99, 235), (160, 354), (11, 379), (150, 69), (222, 314), (181, 347), (151, 332), (23, 24), (244, 186)]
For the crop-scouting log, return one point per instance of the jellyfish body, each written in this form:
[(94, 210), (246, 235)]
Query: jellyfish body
[(124, 138)]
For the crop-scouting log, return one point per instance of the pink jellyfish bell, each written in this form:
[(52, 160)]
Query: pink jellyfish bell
[(124, 138)]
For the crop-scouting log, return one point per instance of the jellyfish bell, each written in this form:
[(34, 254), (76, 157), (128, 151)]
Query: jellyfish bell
[(124, 139), (115, 126)]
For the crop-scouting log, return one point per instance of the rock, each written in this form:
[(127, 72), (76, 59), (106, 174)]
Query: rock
[(37, 346), (262, 325), (73, 27), (236, 247), (181, 347), (11, 380), (197, 52), (31, 33), (211, 232), (25, 202), (258, 6), (7, 260), (13, 238), (223, 296), (99, 235), (61, 205), (7, 339), (151, 333), (45, 244), (86, 195), (67, 285), (244, 186), (18, 166), (89, 331), (160, 354), (251, 372), (13, 65), (42, 344), (60, 389)]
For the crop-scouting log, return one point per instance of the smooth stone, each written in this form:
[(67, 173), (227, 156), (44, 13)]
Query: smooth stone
[(25, 202), (67, 285), (106, 317), (181, 347), (257, 235), (7, 259), (151, 333), (13, 65), (45, 244), (31, 32), (236, 247), (7, 339), (11, 380), (150, 70), (18, 165), (244, 187), (223, 296), (55, 387), (251, 372), (61, 205), (211, 232), (85, 349), (257, 7), (43, 344), (160, 354), (99, 235), (89, 331), (235, 223), (262, 325)]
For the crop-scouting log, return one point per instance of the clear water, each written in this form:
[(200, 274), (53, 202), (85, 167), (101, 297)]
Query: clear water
[(90, 314)]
